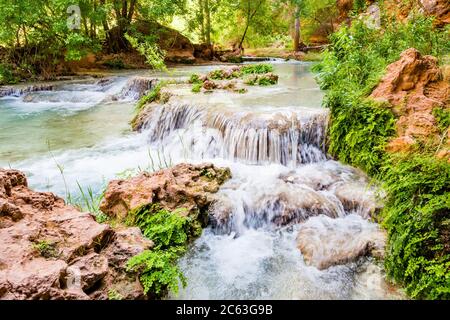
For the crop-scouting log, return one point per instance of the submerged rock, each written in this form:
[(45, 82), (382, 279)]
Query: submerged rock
[(53, 251), (325, 242), (184, 186)]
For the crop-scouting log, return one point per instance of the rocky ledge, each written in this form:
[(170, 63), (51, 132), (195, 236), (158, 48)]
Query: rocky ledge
[(415, 86), (53, 251), (50, 250), (186, 186)]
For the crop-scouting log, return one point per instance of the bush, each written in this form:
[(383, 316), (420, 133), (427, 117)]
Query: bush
[(7, 75), (417, 218)]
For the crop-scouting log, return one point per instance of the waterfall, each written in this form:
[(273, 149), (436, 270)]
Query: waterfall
[(287, 138)]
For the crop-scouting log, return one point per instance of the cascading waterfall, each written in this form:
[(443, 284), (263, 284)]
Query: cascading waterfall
[(285, 138)]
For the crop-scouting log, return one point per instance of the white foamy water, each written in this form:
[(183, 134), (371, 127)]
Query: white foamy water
[(273, 140)]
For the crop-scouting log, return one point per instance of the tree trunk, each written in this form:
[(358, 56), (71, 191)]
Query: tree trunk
[(208, 22), (297, 30), (250, 16), (202, 21)]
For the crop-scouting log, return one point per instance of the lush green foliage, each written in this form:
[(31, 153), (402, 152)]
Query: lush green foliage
[(256, 68), (418, 220), (416, 214), (158, 270), (170, 232), (153, 55), (350, 69), (166, 229)]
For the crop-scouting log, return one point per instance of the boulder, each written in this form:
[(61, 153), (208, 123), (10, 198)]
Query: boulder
[(184, 186), (325, 242), (414, 86), (438, 8), (53, 251), (177, 47)]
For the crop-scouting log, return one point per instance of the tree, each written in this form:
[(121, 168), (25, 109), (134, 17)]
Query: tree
[(250, 8)]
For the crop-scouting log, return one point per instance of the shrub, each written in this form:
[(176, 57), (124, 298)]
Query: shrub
[(256, 69), (417, 218)]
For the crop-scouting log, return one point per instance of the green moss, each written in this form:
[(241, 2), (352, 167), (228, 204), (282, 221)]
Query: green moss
[(46, 249)]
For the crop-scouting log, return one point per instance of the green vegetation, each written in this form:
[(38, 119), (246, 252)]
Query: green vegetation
[(152, 96), (46, 249), (114, 295), (416, 216), (256, 69), (158, 271), (196, 87), (170, 232), (418, 191)]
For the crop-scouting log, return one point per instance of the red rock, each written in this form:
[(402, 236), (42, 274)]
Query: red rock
[(50, 250), (414, 86), (183, 186)]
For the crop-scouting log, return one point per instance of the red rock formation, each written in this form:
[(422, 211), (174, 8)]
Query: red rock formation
[(183, 186), (438, 8), (414, 86), (52, 251)]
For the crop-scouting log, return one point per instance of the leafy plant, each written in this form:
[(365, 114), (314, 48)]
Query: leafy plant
[(148, 48), (166, 229), (416, 216), (256, 69), (197, 87), (158, 270)]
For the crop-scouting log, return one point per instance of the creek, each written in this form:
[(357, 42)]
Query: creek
[(273, 140)]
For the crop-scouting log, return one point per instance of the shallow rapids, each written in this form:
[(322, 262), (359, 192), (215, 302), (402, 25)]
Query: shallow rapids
[(273, 140)]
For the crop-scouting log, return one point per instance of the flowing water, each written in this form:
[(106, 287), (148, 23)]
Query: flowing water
[(273, 140)]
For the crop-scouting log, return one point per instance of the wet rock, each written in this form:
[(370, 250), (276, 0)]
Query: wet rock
[(209, 85), (137, 87), (50, 250), (183, 186), (325, 242), (414, 86), (17, 91), (90, 268)]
